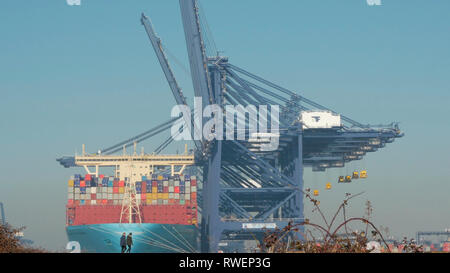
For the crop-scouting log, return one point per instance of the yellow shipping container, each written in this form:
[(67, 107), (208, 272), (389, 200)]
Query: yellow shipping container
[(149, 196), (154, 196), (160, 177), (165, 196), (154, 189), (160, 196), (149, 202), (121, 190), (70, 183)]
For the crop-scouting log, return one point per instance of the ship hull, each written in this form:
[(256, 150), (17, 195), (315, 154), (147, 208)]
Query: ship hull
[(147, 238)]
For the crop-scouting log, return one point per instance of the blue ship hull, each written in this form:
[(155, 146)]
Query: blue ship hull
[(147, 238)]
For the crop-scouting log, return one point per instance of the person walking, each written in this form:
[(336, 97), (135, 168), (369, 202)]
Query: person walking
[(123, 242), (129, 242)]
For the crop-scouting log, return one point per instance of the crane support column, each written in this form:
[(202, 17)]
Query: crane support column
[(297, 178), (211, 228)]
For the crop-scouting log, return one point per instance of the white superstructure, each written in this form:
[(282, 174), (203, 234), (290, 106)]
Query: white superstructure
[(320, 119)]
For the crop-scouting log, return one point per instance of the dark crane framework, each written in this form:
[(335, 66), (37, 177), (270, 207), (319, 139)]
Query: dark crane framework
[(245, 189)]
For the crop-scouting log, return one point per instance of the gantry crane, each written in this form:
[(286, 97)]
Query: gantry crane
[(246, 189), (2, 212)]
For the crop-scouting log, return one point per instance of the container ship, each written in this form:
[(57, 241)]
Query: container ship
[(160, 211)]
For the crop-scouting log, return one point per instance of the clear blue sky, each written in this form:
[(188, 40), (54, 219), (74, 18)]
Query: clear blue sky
[(87, 74)]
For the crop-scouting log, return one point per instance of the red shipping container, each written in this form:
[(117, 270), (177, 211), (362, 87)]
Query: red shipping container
[(87, 202), (193, 183), (93, 196), (121, 183), (104, 201), (143, 196), (115, 183), (116, 190), (446, 247), (110, 202), (102, 176), (166, 189), (83, 183), (87, 177), (77, 202), (154, 183), (177, 189), (70, 201), (193, 195)]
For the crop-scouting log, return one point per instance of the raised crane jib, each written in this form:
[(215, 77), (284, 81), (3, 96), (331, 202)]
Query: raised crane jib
[(196, 51), (157, 46)]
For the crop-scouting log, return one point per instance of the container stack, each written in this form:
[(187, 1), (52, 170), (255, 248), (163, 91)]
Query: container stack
[(91, 190), (163, 199), (167, 190)]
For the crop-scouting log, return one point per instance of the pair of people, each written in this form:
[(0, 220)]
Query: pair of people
[(126, 241)]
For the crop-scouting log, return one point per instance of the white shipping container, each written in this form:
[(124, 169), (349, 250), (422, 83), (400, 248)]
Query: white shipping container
[(110, 196), (110, 190), (138, 196), (188, 190), (165, 202), (94, 190), (70, 196), (93, 202), (70, 190), (120, 196), (193, 189), (154, 202), (171, 189), (76, 196), (177, 196), (88, 190), (116, 196), (320, 120), (188, 184), (171, 195), (193, 177), (115, 202), (177, 183), (165, 183), (77, 190), (105, 189), (83, 196), (187, 196), (88, 196), (182, 177)]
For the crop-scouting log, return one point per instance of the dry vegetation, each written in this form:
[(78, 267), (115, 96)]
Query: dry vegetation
[(334, 237), (9, 243)]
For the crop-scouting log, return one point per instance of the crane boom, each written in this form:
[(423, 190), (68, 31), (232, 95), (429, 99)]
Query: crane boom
[(157, 46), (164, 62), (196, 51)]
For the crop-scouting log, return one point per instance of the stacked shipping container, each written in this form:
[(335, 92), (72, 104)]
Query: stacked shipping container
[(162, 199)]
